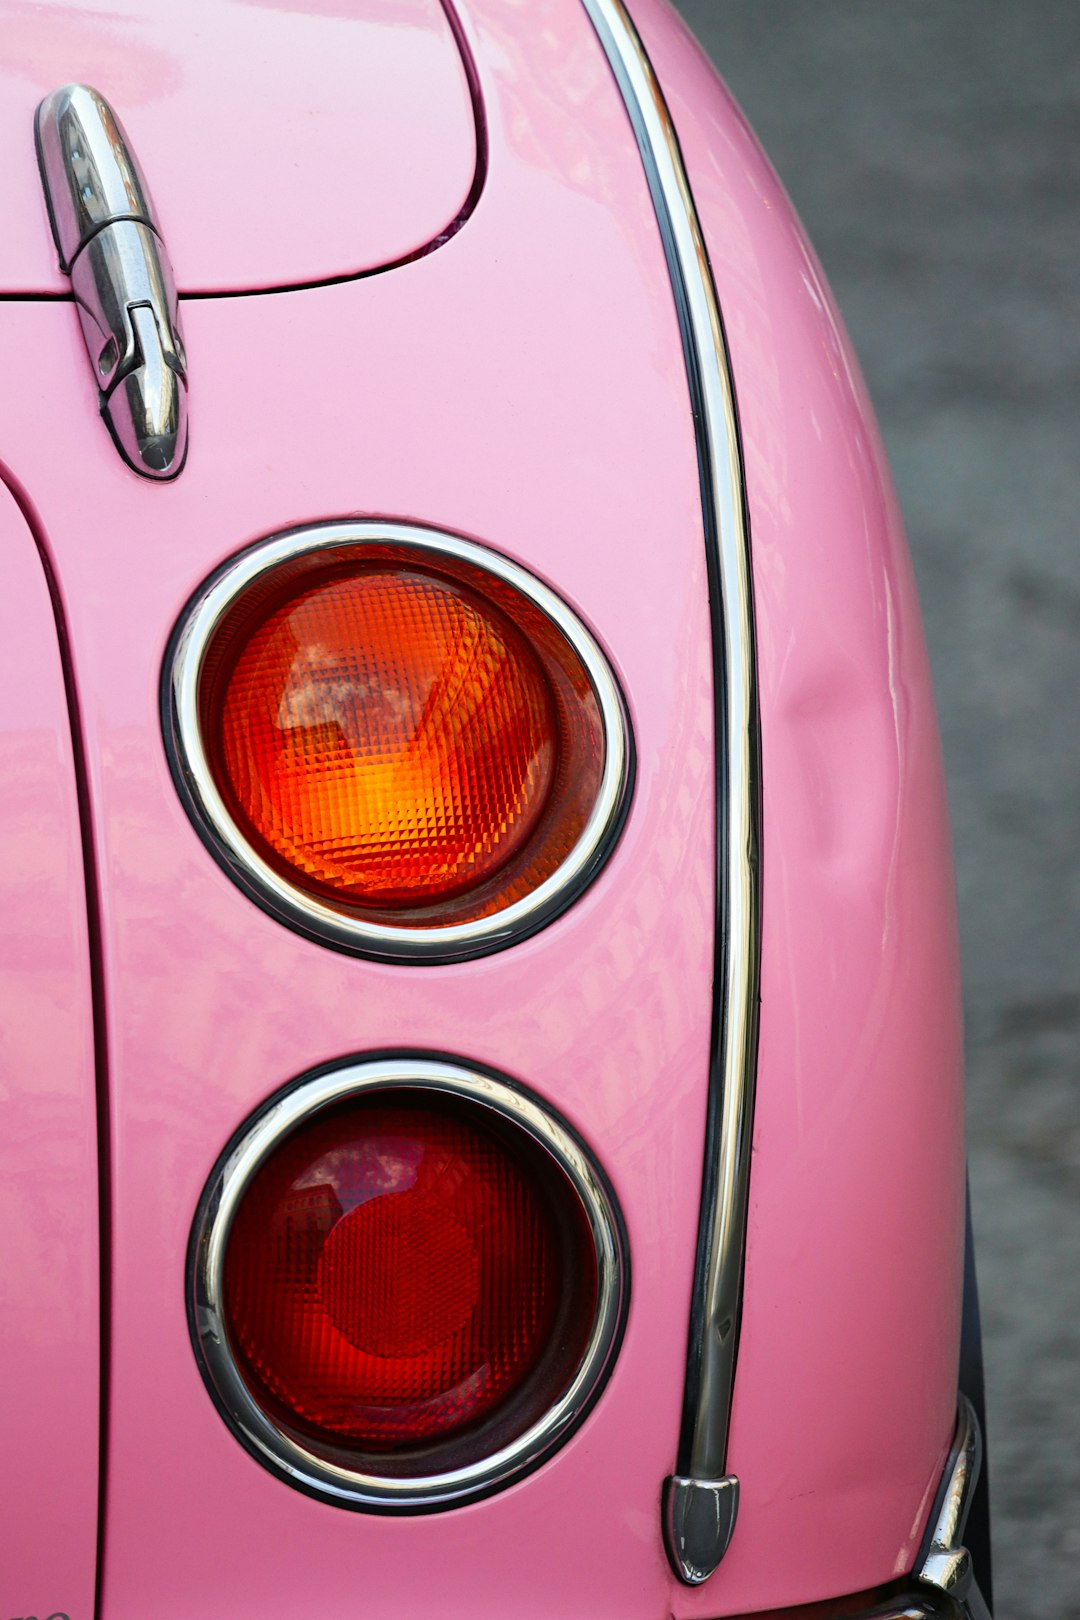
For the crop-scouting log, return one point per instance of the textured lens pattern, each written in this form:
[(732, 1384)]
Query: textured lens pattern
[(397, 1272), (388, 736)]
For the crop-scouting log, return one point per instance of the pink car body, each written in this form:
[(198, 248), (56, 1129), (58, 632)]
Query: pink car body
[(479, 336)]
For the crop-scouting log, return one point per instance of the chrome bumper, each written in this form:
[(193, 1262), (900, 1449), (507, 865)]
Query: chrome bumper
[(944, 1561), (942, 1585)]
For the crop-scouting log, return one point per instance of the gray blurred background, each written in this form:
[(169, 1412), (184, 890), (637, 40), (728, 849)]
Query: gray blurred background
[(932, 148)]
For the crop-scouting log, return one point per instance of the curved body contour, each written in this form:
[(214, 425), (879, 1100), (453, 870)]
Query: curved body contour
[(856, 1190), (523, 385), (49, 1336)]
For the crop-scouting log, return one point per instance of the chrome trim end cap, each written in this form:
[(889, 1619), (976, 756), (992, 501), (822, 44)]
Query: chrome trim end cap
[(699, 1520)]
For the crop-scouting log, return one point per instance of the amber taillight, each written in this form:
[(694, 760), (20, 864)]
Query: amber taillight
[(386, 735), (398, 742)]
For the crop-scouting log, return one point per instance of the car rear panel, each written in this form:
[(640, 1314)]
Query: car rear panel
[(524, 386), (49, 1340), (283, 144), (845, 1393)]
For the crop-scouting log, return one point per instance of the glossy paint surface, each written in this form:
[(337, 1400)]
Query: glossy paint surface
[(49, 1345), (482, 390), (846, 1386), (524, 386), (302, 141)]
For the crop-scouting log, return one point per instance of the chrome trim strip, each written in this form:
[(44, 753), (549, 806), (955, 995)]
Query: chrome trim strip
[(946, 1562), (284, 1455), (714, 1321), (109, 242), (319, 919)]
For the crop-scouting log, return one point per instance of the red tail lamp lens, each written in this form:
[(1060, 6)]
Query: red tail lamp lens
[(406, 1272), (403, 737)]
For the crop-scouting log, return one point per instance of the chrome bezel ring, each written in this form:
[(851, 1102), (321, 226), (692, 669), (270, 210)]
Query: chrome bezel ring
[(285, 1455), (320, 919)]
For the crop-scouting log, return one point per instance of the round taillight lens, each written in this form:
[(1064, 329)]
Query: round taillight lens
[(396, 1271), (405, 1282), (386, 735), (400, 741)]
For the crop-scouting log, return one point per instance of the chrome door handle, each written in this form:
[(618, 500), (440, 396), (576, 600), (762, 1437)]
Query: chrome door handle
[(110, 245)]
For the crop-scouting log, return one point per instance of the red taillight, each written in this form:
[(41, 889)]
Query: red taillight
[(405, 1271)]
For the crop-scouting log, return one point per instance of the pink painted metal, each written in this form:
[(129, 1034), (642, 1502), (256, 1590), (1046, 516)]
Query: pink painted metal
[(474, 389), (524, 386), (846, 1390), (300, 141), (49, 1341)]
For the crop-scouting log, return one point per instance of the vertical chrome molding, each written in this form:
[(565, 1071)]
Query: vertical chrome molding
[(701, 1498)]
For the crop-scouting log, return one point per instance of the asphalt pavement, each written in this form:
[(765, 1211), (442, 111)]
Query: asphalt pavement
[(932, 148)]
